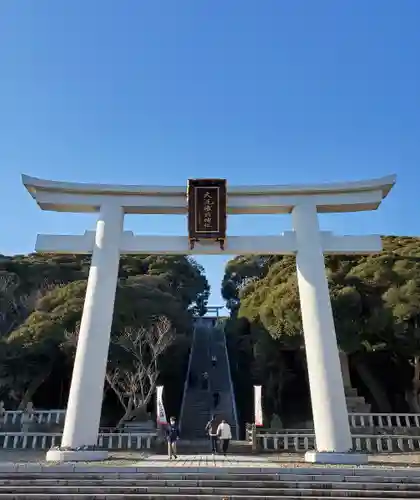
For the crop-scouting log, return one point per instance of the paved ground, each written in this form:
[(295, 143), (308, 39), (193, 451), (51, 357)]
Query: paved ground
[(145, 459)]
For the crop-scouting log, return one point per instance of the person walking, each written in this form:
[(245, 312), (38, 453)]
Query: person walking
[(211, 429), (172, 436), (225, 434), (216, 399), (205, 381), (214, 361)]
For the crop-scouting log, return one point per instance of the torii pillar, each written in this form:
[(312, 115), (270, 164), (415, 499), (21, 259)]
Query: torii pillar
[(329, 408), (306, 241)]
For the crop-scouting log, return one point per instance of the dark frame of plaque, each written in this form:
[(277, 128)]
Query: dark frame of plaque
[(207, 210)]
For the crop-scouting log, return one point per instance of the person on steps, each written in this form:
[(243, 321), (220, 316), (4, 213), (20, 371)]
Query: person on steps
[(172, 436), (205, 381), (216, 399), (225, 434), (211, 430)]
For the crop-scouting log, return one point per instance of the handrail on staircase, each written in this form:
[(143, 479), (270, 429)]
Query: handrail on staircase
[(187, 378), (235, 414)]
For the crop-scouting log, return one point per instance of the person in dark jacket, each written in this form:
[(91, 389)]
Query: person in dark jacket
[(172, 436), (216, 399), (211, 430), (205, 381)]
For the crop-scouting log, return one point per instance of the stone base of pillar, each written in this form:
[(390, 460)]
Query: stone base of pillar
[(336, 458), (76, 455)]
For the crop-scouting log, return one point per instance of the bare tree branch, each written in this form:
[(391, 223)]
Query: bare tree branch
[(133, 379), (135, 383)]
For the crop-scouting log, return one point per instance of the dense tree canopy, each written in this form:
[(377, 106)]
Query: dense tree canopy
[(376, 307), (41, 304), (375, 301)]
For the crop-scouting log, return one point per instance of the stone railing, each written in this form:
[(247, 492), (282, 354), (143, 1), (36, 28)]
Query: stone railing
[(43, 441), (384, 420), (38, 416), (368, 443), (377, 422)]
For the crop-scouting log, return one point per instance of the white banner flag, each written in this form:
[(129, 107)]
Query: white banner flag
[(258, 414), (160, 409)]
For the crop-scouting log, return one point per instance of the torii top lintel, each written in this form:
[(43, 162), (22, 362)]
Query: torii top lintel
[(276, 199)]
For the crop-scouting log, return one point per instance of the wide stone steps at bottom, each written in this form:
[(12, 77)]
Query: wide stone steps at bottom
[(147, 496), (208, 486), (225, 488)]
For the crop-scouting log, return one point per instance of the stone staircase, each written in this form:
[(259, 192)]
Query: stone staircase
[(198, 403), (196, 414), (355, 403), (220, 381), (273, 483)]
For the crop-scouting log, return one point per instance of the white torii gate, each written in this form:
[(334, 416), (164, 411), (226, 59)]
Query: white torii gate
[(306, 241)]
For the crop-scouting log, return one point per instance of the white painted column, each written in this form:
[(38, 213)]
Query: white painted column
[(86, 393), (325, 379)]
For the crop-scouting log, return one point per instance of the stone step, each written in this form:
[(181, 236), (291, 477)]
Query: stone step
[(147, 496), (350, 391), (358, 406), (367, 483), (356, 403), (200, 492), (251, 469), (355, 400), (372, 476), (99, 485)]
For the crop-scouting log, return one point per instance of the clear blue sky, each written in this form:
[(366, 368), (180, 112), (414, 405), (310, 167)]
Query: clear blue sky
[(258, 92)]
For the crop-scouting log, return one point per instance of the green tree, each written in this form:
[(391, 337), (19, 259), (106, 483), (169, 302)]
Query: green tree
[(241, 271), (374, 300), (184, 276), (42, 297)]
